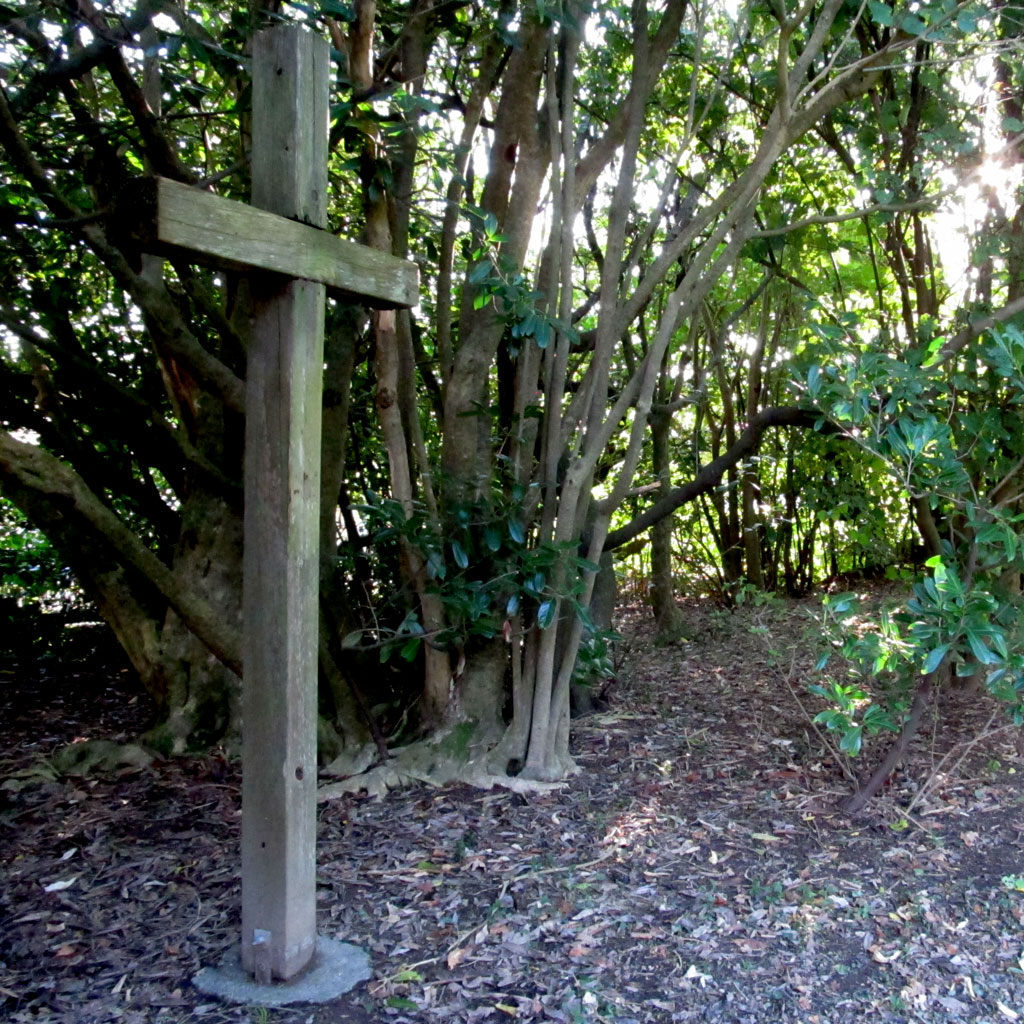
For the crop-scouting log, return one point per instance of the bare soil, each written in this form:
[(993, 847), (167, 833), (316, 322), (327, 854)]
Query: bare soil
[(697, 869)]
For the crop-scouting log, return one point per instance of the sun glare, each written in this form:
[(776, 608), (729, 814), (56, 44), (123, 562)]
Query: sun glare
[(989, 189)]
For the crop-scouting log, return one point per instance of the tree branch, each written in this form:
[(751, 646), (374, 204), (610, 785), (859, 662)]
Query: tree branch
[(963, 338), (711, 475), (33, 468), (839, 218), (36, 90)]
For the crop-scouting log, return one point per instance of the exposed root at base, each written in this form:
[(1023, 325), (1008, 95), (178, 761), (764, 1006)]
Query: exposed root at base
[(438, 761)]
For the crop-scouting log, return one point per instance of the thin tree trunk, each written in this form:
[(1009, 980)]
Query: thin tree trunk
[(878, 778), (388, 366), (667, 615)]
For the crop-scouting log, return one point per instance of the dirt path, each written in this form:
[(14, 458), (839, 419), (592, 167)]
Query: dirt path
[(695, 870)]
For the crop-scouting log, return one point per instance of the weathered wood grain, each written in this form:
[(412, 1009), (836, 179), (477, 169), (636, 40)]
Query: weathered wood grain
[(282, 493), (168, 217)]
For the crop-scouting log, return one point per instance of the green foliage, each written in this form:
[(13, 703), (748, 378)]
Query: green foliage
[(853, 712), (486, 570), (959, 613), (595, 660), (92, 377), (32, 571), (499, 281)]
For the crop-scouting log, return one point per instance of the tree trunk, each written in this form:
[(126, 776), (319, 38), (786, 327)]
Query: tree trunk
[(753, 527), (203, 695), (195, 693), (922, 698), (667, 615)]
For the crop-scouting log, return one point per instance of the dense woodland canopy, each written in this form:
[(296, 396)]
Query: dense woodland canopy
[(741, 279)]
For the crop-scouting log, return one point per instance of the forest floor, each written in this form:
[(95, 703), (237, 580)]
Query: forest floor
[(697, 869)]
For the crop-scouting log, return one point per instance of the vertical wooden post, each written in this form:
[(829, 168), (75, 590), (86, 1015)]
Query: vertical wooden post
[(282, 491)]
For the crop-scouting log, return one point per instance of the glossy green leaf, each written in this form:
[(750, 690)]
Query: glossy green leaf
[(850, 741), (881, 13), (980, 650), (934, 659), (459, 554)]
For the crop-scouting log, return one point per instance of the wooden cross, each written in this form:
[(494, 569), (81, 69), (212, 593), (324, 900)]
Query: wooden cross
[(284, 238)]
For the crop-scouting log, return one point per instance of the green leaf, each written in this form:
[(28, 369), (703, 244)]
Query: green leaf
[(408, 974), (850, 741), (999, 643), (814, 381), (492, 538), (480, 272), (980, 650), (513, 605), (546, 614), (881, 13), (352, 640), (841, 604), (460, 556), (832, 720), (516, 531), (436, 569), (913, 25), (967, 19), (583, 614), (338, 10), (934, 659), (197, 50)]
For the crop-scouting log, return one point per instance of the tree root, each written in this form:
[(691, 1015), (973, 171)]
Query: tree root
[(438, 761), (97, 756)]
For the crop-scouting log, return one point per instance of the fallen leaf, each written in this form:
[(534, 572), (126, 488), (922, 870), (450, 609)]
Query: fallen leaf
[(881, 957), (692, 974), (61, 884)]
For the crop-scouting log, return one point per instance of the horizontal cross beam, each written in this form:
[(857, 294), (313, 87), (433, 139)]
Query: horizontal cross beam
[(169, 218)]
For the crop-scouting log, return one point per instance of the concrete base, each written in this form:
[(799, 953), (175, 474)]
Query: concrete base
[(335, 969)]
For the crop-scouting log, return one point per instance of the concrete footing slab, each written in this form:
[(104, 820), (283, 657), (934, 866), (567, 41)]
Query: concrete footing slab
[(336, 968)]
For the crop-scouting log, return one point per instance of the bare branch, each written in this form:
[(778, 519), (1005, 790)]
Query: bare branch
[(711, 475)]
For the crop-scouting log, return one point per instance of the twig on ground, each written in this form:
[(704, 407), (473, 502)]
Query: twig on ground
[(965, 748)]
